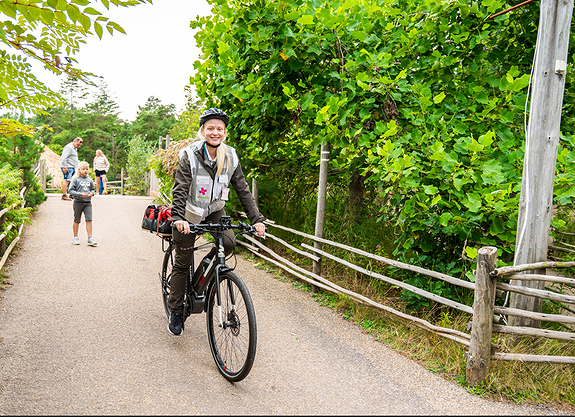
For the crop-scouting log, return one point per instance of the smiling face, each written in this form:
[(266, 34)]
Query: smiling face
[(214, 131)]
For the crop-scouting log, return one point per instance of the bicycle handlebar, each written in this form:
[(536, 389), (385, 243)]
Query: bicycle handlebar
[(225, 223)]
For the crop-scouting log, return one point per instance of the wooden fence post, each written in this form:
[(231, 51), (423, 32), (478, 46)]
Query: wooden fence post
[(484, 300), (42, 175), (122, 182), (2, 221)]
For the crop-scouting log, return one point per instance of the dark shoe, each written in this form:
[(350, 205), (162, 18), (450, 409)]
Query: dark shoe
[(176, 324)]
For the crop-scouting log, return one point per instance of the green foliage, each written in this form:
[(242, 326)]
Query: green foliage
[(426, 100), (165, 163), (56, 148), (187, 124), (153, 120), (139, 152), (22, 152), (10, 186), (50, 32)]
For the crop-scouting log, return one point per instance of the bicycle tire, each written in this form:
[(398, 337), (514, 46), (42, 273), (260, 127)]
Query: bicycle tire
[(167, 267), (234, 346)]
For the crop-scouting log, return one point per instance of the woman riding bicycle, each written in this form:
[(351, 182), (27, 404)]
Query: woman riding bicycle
[(201, 188)]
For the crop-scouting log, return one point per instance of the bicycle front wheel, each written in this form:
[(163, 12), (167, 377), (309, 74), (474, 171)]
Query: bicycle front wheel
[(233, 344), (167, 267)]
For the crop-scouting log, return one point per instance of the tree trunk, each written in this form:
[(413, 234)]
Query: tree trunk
[(536, 202), (355, 202)]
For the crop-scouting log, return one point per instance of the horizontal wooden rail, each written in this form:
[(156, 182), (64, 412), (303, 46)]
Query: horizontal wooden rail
[(538, 277), (397, 264), (287, 245), (560, 249), (555, 318), (532, 358), (8, 251), (408, 287), (529, 331), (321, 282), (530, 267), (536, 293)]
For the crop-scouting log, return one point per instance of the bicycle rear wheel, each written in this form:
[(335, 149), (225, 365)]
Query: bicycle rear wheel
[(233, 345), (166, 277)]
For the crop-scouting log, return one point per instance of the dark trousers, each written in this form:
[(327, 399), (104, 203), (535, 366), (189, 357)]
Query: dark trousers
[(184, 250)]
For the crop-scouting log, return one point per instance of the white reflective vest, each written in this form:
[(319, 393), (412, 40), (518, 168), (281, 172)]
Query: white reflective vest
[(205, 196)]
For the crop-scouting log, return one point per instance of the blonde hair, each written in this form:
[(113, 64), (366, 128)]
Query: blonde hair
[(82, 164), (99, 153), (222, 153)]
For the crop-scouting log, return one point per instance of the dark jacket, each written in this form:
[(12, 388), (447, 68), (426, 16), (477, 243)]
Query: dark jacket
[(183, 183)]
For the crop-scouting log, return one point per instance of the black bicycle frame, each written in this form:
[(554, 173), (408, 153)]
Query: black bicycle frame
[(221, 265)]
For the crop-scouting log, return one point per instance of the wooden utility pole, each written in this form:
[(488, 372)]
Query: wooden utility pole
[(321, 197), (542, 141)]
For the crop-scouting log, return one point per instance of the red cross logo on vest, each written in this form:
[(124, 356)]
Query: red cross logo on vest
[(203, 191)]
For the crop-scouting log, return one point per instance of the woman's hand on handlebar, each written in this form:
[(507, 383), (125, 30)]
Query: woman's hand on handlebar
[(183, 226), (260, 229)]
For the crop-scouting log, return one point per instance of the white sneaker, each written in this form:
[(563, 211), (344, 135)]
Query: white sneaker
[(91, 242), (75, 240)]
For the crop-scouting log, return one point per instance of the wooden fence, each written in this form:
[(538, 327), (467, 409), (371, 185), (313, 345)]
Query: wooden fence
[(40, 173), (486, 316), (5, 252), (113, 187)]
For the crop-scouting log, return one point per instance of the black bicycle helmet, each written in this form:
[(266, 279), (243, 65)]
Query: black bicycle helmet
[(213, 113)]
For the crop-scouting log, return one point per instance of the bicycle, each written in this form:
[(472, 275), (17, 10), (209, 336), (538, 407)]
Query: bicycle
[(215, 289)]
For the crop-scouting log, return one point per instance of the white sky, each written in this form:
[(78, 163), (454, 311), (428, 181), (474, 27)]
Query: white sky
[(154, 58)]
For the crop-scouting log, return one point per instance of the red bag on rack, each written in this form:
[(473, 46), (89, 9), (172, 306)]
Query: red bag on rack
[(156, 219)]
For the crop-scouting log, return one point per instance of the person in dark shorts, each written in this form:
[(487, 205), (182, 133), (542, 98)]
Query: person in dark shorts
[(101, 166), (82, 190), (69, 164)]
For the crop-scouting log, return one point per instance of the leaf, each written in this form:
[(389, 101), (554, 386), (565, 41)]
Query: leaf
[(391, 129), (98, 29), (73, 13), (439, 98), (472, 202), (430, 189), (359, 35), (487, 139), (471, 252), (444, 218), (92, 11), (292, 15), (223, 47), (306, 19), (474, 146)]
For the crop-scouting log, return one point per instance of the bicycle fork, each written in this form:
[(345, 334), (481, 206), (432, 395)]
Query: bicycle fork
[(221, 264)]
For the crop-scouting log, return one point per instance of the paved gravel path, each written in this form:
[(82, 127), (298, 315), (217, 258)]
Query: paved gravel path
[(83, 331)]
